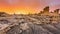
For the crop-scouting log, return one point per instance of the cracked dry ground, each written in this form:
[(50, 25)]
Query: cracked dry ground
[(30, 24)]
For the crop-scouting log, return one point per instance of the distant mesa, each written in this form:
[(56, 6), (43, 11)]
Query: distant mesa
[(3, 14), (57, 10), (46, 11)]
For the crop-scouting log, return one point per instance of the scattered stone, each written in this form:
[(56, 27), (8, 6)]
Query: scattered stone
[(29, 24)]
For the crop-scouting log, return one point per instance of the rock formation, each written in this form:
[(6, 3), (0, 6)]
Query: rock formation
[(42, 23)]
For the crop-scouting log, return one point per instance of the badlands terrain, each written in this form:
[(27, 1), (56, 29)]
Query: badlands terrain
[(44, 22), (41, 23)]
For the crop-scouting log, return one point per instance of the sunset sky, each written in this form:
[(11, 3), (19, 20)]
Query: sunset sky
[(27, 6)]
